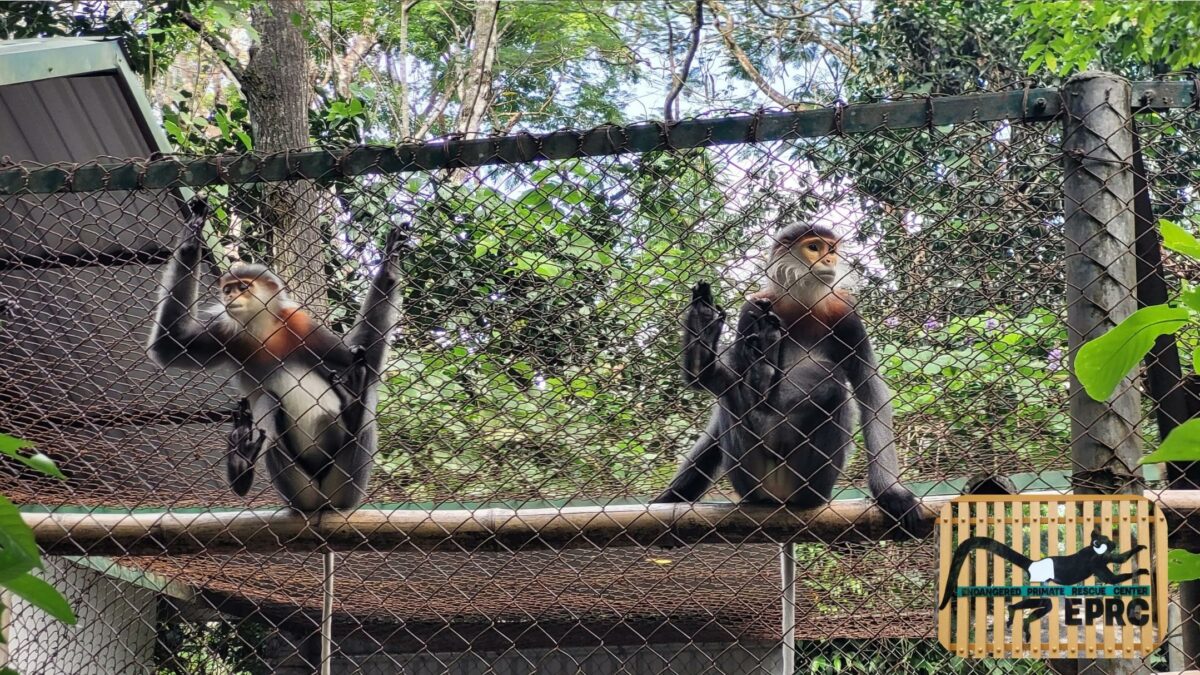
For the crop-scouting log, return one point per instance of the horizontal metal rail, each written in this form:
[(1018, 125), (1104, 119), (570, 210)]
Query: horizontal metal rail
[(1028, 105), (493, 529)]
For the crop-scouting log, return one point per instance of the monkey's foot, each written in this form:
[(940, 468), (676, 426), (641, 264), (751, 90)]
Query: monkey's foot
[(905, 509), (239, 473), (244, 449)]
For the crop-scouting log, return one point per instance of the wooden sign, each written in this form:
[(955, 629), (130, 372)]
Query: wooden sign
[(1052, 576)]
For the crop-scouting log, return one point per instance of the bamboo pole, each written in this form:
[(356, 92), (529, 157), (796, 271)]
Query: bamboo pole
[(487, 529)]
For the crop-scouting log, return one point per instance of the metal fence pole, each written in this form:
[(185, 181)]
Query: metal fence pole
[(787, 576), (1101, 281)]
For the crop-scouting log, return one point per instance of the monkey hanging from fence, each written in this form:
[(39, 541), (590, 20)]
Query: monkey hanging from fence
[(781, 426), (309, 396)]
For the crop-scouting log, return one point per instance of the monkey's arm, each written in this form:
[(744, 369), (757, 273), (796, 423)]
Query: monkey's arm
[(702, 367), (377, 317), (875, 411), (1113, 557), (755, 356), (177, 338)]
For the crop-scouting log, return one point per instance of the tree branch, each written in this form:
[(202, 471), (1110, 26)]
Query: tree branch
[(681, 79), (726, 31), (791, 17), (216, 44)]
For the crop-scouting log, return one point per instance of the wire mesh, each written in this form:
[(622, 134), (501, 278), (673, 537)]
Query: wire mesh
[(536, 364)]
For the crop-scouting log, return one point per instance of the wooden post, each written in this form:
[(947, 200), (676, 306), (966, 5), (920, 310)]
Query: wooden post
[(787, 576), (1099, 225)]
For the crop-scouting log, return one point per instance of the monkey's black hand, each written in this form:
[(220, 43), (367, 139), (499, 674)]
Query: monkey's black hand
[(704, 318), (762, 341), (193, 234), (905, 509), (395, 246), (702, 331)]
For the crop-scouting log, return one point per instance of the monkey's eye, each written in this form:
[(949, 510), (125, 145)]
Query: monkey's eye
[(814, 248)]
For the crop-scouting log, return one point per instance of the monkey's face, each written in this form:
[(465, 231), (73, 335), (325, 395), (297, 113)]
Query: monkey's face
[(247, 299), (806, 269)]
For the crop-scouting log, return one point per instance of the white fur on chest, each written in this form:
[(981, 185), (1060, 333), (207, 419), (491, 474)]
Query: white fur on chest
[(308, 401)]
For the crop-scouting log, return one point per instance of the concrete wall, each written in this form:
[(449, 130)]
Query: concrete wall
[(115, 633)]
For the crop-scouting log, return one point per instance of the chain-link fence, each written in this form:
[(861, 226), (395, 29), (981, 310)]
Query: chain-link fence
[(532, 398)]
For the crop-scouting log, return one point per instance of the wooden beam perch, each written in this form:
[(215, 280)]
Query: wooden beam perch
[(487, 529)]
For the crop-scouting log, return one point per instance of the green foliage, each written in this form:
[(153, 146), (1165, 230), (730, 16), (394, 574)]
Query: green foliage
[(1182, 565), (187, 647), (1103, 362), (992, 366), (542, 332), (1181, 445), (926, 657), (18, 549), (1127, 37), (947, 47)]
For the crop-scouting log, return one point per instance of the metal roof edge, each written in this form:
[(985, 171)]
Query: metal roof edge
[(44, 58), (142, 579)]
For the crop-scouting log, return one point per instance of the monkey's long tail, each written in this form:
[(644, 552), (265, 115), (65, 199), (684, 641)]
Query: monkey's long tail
[(964, 549)]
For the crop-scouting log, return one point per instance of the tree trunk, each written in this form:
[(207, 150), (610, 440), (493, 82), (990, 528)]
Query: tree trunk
[(277, 86), (477, 91)]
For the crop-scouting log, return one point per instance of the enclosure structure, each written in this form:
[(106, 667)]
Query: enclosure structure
[(532, 402), (72, 100)]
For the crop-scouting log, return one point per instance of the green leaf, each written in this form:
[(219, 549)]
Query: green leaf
[(18, 549), (1182, 565), (1179, 240), (1181, 445), (42, 595), (244, 138), (1190, 296), (38, 462), (1102, 363)]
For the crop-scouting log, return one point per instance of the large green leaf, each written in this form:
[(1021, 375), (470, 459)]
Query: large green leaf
[(1181, 445), (42, 595), (18, 549), (1182, 565), (1102, 363), (1179, 240)]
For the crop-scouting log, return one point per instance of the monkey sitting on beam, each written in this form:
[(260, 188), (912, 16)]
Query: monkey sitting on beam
[(781, 426), (309, 395)]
